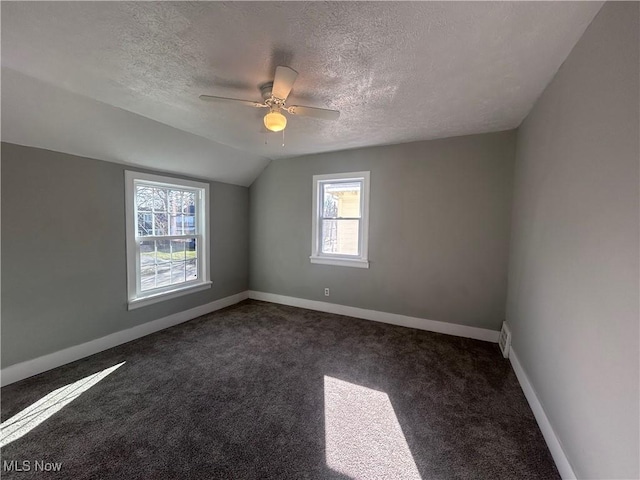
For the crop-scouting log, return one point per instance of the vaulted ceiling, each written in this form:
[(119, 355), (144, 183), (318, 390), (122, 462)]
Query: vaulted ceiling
[(120, 81)]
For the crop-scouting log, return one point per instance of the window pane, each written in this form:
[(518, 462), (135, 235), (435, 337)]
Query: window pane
[(163, 274), (340, 237), (189, 202), (163, 251), (189, 224), (191, 248), (145, 224), (175, 202), (160, 224), (175, 212), (192, 270), (177, 272), (341, 200), (175, 224), (147, 265), (144, 198), (178, 250), (147, 252), (160, 200), (147, 277), (329, 204), (163, 262)]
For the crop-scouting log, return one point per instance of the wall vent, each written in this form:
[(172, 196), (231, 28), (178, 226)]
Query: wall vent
[(505, 340)]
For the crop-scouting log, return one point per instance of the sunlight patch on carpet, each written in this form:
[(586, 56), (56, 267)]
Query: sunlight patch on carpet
[(363, 437), (32, 416)]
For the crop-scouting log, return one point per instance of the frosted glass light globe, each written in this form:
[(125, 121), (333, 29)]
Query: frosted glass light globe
[(275, 121)]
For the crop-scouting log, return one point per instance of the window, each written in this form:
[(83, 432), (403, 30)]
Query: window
[(167, 237), (340, 219)]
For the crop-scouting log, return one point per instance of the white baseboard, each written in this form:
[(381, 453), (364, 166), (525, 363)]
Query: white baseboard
[(562, 462), (384, 317), (38, 365)]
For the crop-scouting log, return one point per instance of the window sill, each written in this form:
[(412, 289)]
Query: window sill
[(160, 297), (342, 262)]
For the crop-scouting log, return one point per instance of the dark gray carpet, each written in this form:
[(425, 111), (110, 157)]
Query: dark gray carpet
[(240, 394)]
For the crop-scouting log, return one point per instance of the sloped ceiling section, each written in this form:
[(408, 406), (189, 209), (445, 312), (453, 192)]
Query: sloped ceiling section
[(398, 71), (37, 114)]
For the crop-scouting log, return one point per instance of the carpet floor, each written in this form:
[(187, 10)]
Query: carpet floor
[(261, 391)]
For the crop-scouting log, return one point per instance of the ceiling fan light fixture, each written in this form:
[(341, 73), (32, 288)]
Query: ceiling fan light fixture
[(274, 96), (275, 121)]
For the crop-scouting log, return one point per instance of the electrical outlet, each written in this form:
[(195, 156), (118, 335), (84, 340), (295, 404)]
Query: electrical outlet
[(326, 292)]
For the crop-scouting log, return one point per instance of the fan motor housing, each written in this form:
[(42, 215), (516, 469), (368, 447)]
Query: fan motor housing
[(266, 90)]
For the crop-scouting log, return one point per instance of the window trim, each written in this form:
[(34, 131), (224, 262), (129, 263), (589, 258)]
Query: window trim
[(358, 261), (136, 298)]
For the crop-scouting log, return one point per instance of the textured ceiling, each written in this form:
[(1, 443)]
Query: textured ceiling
[(398, 71)]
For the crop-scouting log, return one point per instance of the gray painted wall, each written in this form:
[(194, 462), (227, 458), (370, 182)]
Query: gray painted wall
[(439, 229), (573, 276), (63, 252)]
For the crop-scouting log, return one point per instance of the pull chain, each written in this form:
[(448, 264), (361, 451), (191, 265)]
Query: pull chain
[(283, 138)]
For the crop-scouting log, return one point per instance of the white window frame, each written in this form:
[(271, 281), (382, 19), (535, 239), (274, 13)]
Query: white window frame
[(136, 297), (317, 256)]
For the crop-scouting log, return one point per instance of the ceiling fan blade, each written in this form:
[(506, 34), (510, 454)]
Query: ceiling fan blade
[(248, 103), (322, 113), (283, 82)]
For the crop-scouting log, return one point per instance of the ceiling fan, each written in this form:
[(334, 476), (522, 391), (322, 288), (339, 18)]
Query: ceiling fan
[(274, 95)]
